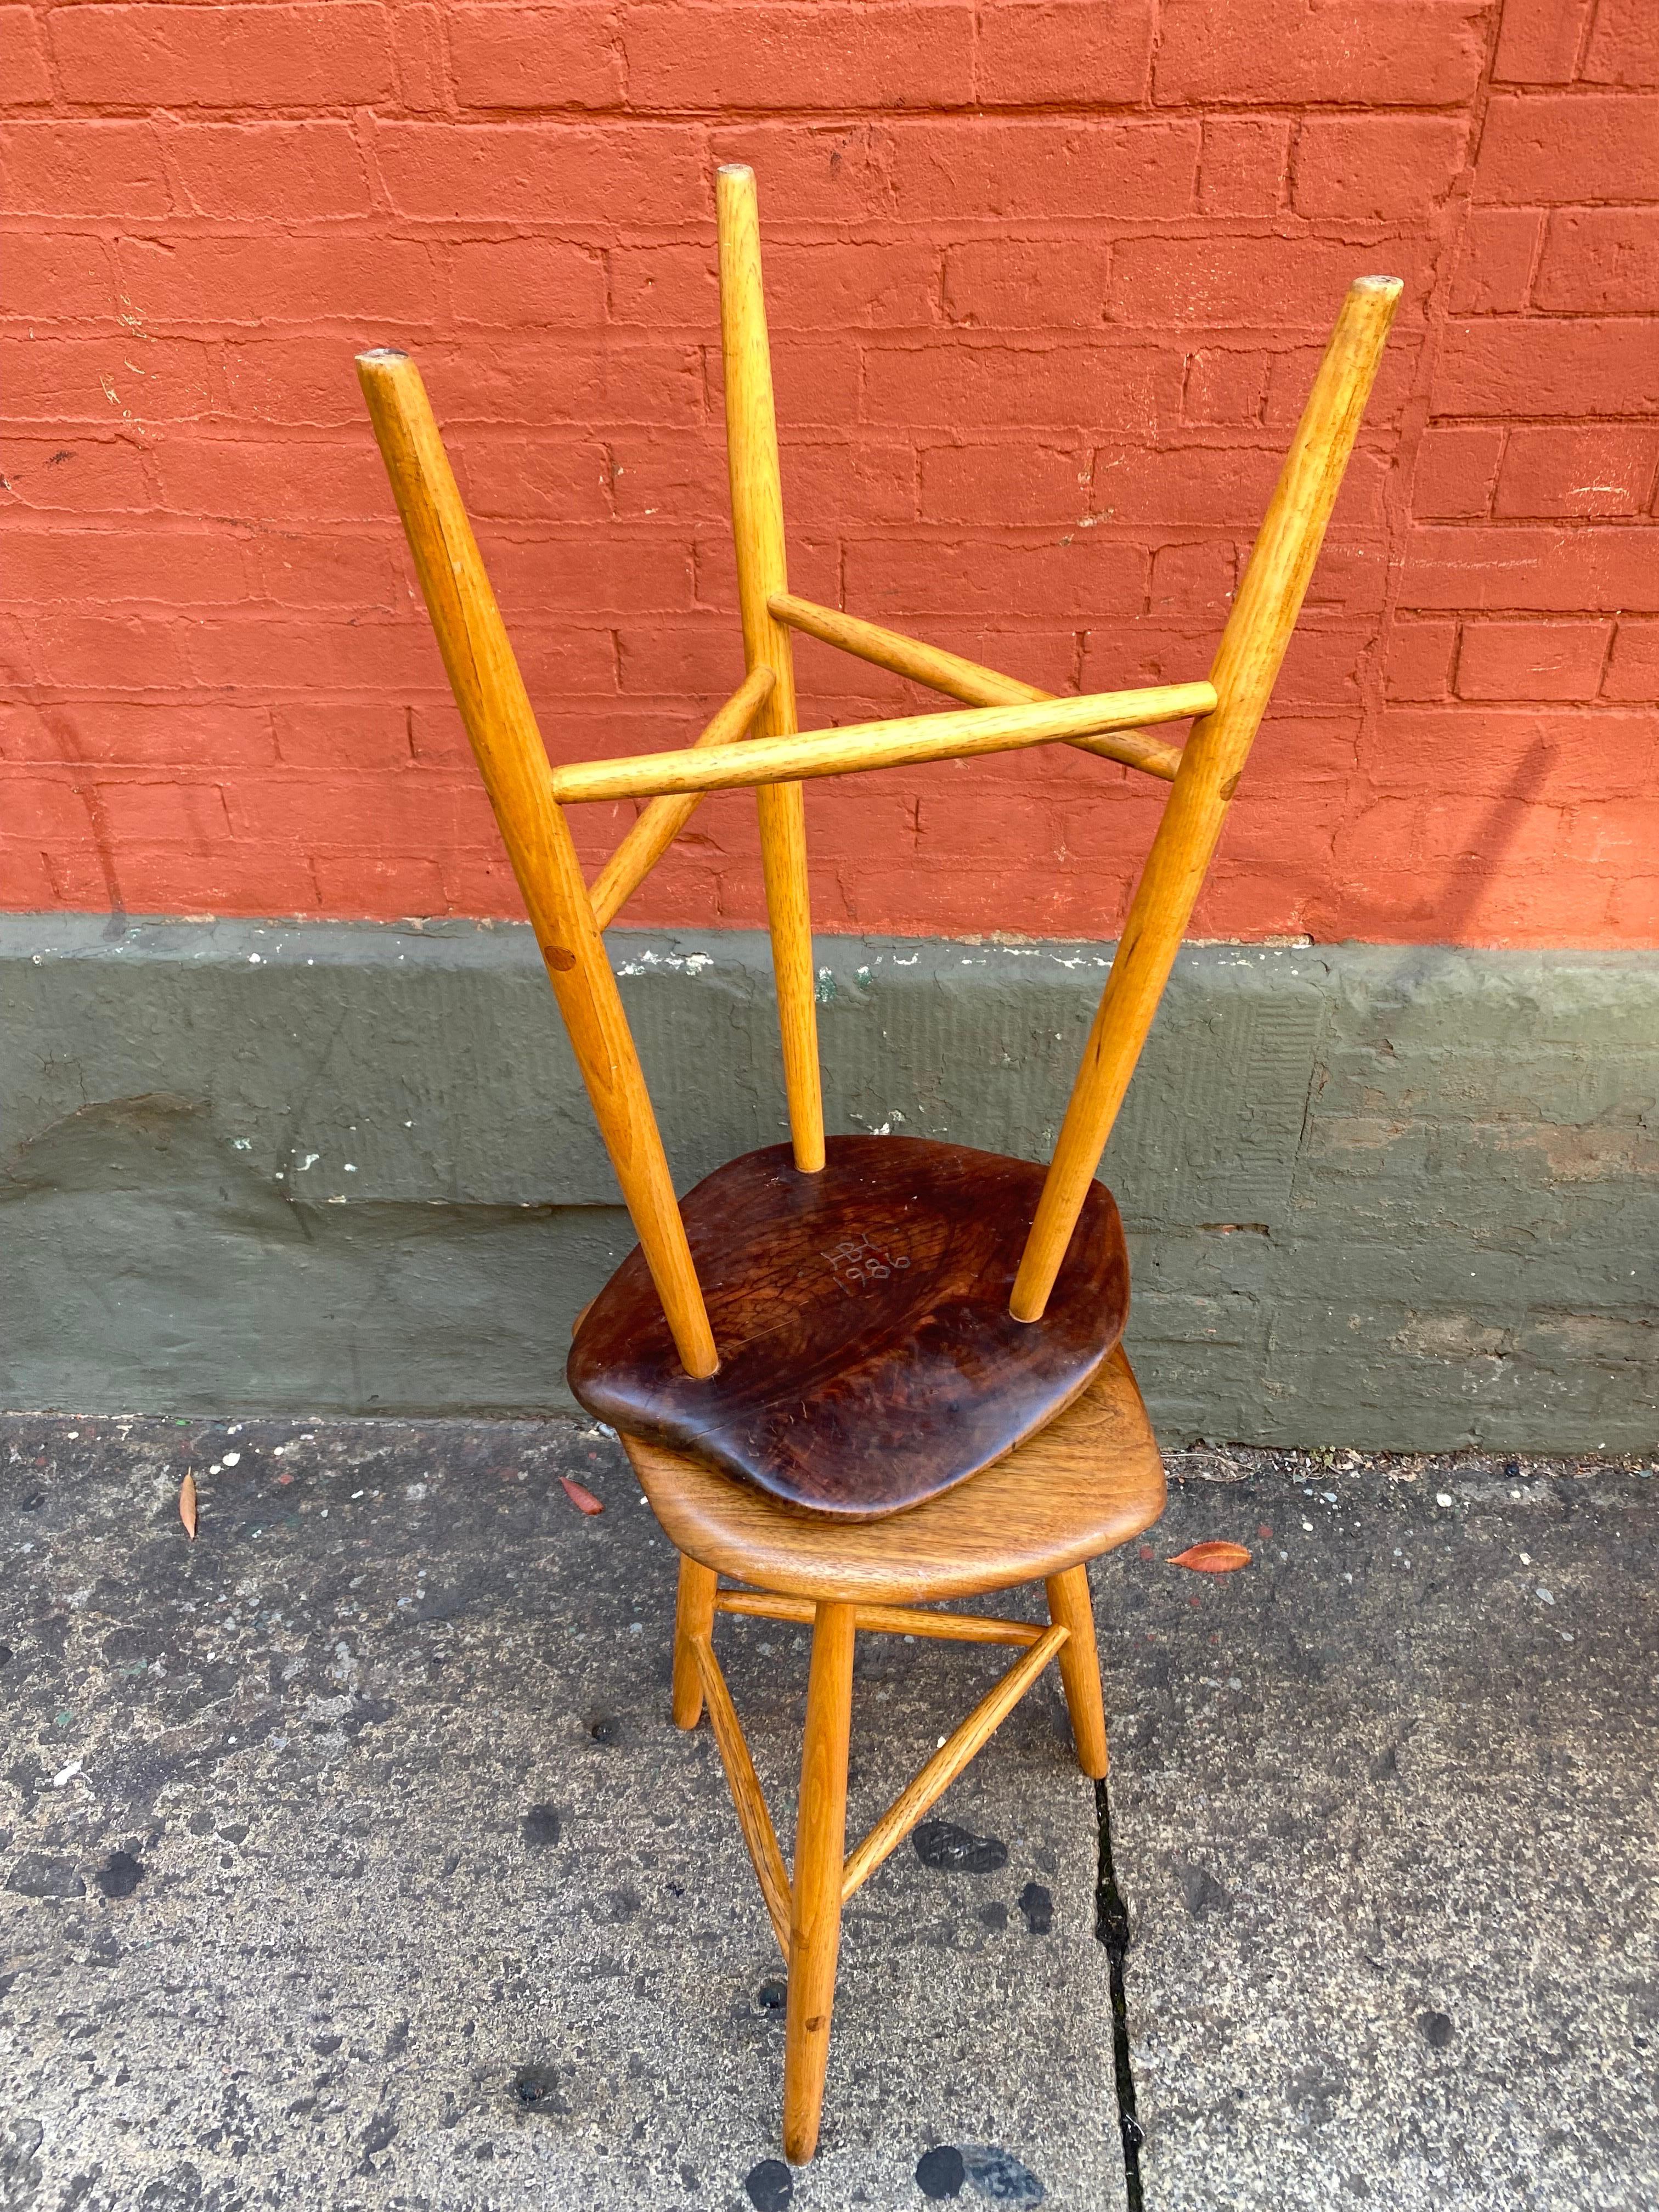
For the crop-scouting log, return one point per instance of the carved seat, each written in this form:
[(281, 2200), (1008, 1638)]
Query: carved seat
[(862, 1375), (868, 1359)]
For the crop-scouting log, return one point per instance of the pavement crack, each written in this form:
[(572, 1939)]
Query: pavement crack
[(1112, 1928)]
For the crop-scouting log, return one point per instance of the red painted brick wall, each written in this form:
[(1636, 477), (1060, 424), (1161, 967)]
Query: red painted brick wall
[(1048, 280)]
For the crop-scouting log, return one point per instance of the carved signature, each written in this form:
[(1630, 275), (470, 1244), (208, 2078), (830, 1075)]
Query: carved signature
[(857, 1262)]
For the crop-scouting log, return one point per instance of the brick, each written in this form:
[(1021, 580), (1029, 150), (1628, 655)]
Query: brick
[(127, 733), (1006, 284), (1624, 46), (1223, 387), (1376, 167), (416, 811), (1513, 566), (59, 276), (897, 581), (1420, 662), (1022, 170), (1245, 166), (667, 287), (417, 45), (1622, 834), (101, 566), (295, 171), (261, 278), (256, 879), (1185, 486), (541, 57), (1606, 469), (309, 481), (1194, 582), (46, 808), (89, 475), (1456, 471), (1600, 367), (1555, 147), (1018, 485), (1382, 52), (1034, 51), (882, 53), (104, 382), (1267, 282), (1601, 261), (23, 59), (1633, 913), (1538, 40), (517, 173), (553, 478), (615, 568), (862, 479), (27, 883), (291, 55), (279, 653), (815, 380), (381, 889), (1634, 665), (836, 173), (99, 168), (973, 385), (519, 282), (1532, 660), (170, 813), (127, 652), (338, 567), (1495, 261)]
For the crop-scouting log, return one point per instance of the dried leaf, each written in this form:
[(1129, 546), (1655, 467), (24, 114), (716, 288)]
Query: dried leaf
[(1211, 1559), (583, 1500), (187, 1504)]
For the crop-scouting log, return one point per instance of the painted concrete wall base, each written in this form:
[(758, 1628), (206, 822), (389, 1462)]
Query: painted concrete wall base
[(1399, 1197)]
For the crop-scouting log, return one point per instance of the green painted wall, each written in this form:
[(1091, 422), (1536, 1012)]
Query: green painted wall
[(1399, 1197)]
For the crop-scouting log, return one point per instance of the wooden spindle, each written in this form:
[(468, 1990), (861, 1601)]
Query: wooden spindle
[(1246, 663), (513, 761), (751, 438)]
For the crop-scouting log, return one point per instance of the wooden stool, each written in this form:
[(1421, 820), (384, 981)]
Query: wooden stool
[(862, 1375)]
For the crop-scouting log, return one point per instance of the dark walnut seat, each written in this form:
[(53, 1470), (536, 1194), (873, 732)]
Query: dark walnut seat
[(868, 1359)]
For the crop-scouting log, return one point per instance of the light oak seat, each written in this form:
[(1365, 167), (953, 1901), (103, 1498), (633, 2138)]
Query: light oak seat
[(1088, 1482)]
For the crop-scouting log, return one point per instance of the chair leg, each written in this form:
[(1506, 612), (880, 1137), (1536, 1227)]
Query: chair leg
[(815, 1901), (1069, 1606), (694, 1615)]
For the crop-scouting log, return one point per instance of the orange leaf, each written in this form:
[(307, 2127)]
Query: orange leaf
[(187, 1504), (1211, 1559), (583, 1500)]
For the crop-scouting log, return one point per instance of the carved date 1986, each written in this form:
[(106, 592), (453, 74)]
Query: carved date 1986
[(857, 1262)]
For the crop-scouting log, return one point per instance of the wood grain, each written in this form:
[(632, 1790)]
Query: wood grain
[(961, 679), (1246, 664), (1071, 1606), (663, 819), (512, 762), (693, 1616), (815, 1897), (885, 1620), (947, 1762), (899, 742), (868, 1359), (1090, 1481), (748, 1798), (751, 449)]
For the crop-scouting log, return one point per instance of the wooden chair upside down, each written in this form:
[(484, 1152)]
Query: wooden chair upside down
[(859, 1376)]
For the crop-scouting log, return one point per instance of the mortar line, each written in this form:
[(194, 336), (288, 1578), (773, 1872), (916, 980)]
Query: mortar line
[(1112, 1928)]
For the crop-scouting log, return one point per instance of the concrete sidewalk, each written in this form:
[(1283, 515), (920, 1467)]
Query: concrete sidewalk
[(349, 1859)]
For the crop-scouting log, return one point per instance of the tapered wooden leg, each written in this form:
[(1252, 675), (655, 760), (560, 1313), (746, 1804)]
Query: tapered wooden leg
[(1079, 1668), (815, 1901), (694, 1615)]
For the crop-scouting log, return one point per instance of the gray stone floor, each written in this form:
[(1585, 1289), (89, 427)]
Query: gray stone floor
[(348, 1860)]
